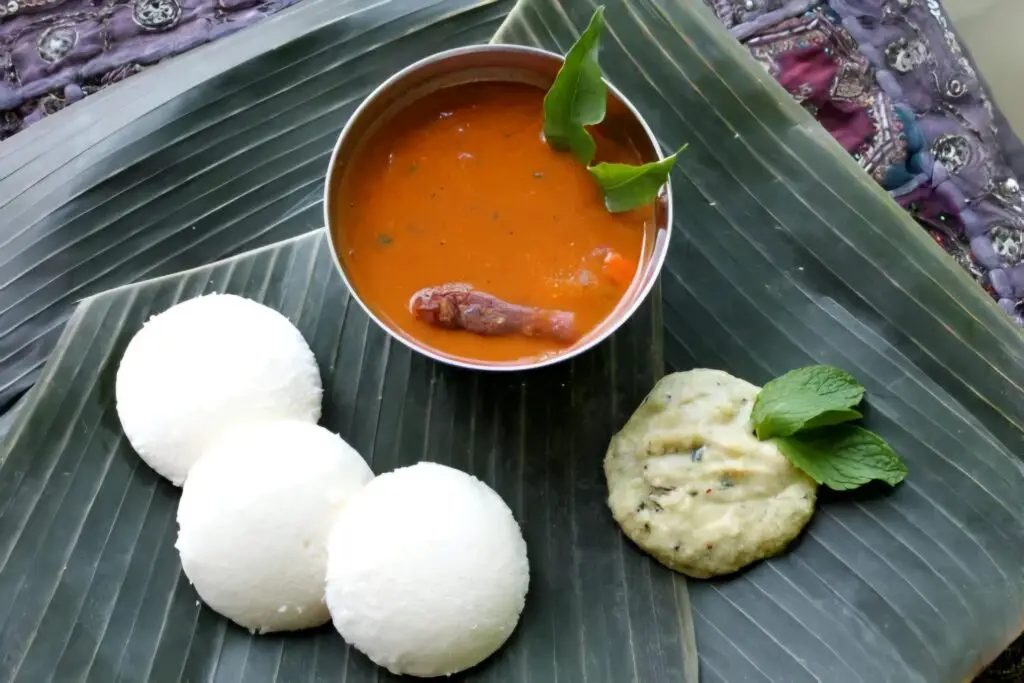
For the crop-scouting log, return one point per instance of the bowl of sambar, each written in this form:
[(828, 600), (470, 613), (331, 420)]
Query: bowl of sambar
[(470, 239)]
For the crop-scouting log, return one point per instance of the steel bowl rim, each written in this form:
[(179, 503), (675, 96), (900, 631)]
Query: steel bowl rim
[(657, 259)]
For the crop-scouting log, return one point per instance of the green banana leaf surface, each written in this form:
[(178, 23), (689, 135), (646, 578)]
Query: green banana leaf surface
[(91, 587), (784, 253)]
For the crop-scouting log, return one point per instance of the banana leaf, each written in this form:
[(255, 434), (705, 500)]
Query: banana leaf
[(783, 253), (91, 588)]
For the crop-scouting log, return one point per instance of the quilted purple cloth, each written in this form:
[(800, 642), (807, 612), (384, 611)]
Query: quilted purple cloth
[(55, 52)]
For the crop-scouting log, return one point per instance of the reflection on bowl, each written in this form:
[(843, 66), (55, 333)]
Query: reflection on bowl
[(466, 236)]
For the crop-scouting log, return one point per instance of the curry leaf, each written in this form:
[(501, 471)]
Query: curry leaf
[(578, 97), (626, 187), (843, 457), (805, 398)]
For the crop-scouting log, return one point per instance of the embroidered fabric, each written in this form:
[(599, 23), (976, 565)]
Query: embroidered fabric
[(891, 82), (55, 52)]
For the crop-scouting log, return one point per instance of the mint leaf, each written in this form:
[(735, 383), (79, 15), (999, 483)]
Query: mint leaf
[(831, 417), (815, 396), (843, 457), (578, 97), (626, 187)]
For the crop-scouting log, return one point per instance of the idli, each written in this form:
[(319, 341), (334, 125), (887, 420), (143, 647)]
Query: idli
[(207, 365), (427, 571), (254, 519)]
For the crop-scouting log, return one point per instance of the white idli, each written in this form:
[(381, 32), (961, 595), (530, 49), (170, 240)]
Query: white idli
[(427, 571), (207, 365), (254, 519)]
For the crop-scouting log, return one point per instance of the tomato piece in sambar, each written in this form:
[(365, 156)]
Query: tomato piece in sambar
[(460, 187)]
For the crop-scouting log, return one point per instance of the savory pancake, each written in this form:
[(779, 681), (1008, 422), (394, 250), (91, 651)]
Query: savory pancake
[(690, 484)]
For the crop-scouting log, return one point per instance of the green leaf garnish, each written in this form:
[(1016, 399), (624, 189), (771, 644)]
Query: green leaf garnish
[(843, 457), (803, 413), (815, 396), (626, 187), (578, 97)]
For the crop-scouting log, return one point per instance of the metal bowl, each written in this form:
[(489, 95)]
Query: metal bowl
[(498, 63)]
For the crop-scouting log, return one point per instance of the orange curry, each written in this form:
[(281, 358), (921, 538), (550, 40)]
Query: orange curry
[(460, 187)]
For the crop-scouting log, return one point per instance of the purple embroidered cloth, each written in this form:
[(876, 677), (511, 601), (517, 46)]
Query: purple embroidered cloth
[(892, 83), (54, 52)]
